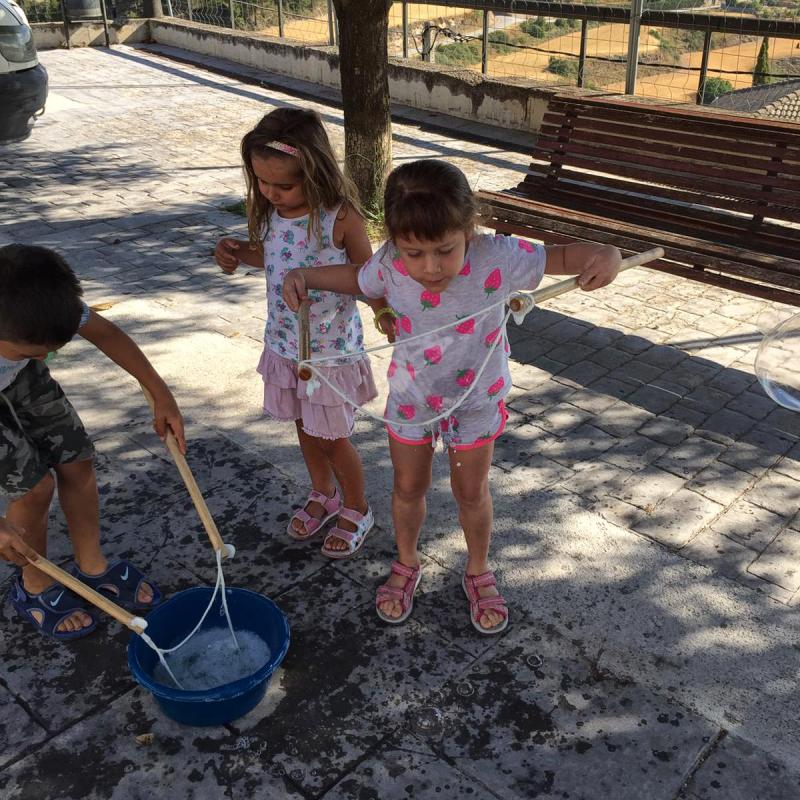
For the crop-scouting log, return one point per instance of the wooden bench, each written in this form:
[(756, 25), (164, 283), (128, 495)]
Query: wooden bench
[(720, 194)]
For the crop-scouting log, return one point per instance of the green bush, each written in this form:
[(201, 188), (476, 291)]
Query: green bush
[(501, 37), (567, 67), (459, 54), (537, 28), (713, 88)]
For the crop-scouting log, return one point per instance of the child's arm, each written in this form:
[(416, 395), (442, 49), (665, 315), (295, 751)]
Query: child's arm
[(9, 536), (359, 251), (595, 264), (229, 253), (122, 350), (340, 278)]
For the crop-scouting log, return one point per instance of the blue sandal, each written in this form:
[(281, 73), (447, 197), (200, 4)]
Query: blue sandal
[(48, 609), (121, 583)]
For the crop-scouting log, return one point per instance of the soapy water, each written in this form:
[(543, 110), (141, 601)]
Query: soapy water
[(212, 658), (777, 363)]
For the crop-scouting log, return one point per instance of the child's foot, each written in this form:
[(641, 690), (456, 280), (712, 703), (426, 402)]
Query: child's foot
[(123, 583), (487, 608), (54, 611), (350, 532), (395, 599), (318, 509)]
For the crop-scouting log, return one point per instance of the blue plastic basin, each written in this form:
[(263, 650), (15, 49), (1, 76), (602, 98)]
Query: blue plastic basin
[(175, 618)]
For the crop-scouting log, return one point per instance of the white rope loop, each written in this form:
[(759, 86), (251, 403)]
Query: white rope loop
[(219, 585), (526, 302)]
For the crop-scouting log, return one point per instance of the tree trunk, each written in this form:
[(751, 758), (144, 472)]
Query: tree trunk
[(363, 67), (152, 8)]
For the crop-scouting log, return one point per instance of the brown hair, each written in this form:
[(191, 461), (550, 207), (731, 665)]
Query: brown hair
[(323, 183), (427, 199)]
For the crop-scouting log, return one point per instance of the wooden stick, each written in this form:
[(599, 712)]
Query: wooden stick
[(305, 339), (136, 624), (555, 289), (191, 485)]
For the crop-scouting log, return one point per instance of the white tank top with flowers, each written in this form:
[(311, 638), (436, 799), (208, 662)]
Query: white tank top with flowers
[(334, 319)]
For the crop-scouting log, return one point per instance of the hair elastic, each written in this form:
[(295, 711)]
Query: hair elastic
[(284, 148)]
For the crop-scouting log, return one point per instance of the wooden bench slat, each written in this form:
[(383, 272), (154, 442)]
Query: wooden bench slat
[(637, 245), (790, 155), (523, 210), (754, 130), (659, 199), (748, 166), (738, 181), (685, 190), (776, 244), (674, 252), (773, 238)]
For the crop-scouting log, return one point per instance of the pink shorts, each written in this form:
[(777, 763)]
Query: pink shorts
[(465, 430), (324, 415)]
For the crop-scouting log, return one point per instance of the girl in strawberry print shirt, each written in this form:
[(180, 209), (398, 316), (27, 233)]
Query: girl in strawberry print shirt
[(303, 212), (435, 272)]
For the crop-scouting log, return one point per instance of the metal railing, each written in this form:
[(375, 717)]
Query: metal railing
[(676, 50)]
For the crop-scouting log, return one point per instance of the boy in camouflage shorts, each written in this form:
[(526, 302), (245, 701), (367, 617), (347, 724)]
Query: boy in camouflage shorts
[(43, 444)]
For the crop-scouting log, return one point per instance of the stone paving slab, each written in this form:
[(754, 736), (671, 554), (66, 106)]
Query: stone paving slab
[(99, 757), (737, 770), (560, 728)]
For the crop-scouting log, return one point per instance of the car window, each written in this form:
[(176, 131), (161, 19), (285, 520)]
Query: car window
[(7, 19)]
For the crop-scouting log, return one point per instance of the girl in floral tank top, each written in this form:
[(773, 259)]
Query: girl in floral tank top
[(303, 213), (437, 273)]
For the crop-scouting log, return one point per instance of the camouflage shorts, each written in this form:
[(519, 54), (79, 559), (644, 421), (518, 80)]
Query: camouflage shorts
[(39, 428)]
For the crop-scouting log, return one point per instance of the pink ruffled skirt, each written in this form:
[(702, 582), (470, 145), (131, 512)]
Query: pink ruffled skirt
[(324, 414)]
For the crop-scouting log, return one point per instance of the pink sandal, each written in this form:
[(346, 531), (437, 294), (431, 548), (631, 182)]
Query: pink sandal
[(353, 539), (478, 604), (404, 595), (312, 525)]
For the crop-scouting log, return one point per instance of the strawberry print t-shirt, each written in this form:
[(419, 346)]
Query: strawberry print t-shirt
[(429, 375)]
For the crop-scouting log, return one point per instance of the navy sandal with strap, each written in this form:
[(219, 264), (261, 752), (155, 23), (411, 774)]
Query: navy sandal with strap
[(48, 609), (121, 583)]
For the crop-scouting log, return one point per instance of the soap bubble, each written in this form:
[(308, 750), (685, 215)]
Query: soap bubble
[(778, 363)]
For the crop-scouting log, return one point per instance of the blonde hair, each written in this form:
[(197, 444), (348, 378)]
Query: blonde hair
[(323, 183)]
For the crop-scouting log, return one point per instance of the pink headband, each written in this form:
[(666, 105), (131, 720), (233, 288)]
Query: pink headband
[(284, 148)]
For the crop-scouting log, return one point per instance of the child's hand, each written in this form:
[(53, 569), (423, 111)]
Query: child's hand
[(294, 288), (10, 542), (601, 268), (226, 256), (167, 416)]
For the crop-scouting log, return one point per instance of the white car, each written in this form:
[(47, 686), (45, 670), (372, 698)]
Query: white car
[(23, 80)]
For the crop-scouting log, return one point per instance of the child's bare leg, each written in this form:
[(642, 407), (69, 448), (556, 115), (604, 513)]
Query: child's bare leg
[(346, 465), (469, 479), (412, 478), (319, 470), (30, 512), (77, 495)]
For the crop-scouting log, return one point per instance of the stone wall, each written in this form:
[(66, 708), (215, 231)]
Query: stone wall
[(51, 35), (456, 92)]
